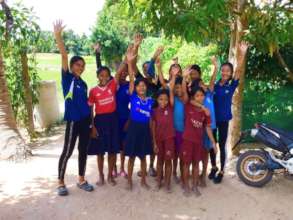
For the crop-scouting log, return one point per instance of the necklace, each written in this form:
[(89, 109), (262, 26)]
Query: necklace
[(144, 102)]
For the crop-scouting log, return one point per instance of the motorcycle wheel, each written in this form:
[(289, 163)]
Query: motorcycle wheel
[(247, 171)]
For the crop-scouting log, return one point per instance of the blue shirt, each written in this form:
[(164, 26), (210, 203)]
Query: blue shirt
[(75, 94), (151, 68), (140, 110), (223, 100), (123, 99), (209, 104), (178, 114)]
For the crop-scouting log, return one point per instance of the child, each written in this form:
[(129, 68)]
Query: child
[(209, 104), (138, 139), (178, 110), (196, 122), (77, 114), (224, 90), (105, 131), (164, 133)]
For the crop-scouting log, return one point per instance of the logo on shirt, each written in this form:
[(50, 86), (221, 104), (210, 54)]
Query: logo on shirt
[(109, 92), (196, 124), (226, 91), (146, 113)]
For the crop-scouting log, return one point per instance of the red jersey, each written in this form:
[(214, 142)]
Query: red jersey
[(163, 117), (195, 124), (104, 98)]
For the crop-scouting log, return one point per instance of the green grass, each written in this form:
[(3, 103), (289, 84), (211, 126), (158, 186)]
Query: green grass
[(49, 68)]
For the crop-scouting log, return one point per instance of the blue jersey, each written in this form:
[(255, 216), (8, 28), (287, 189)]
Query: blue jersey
[(75, 95), (140, 110), (178, 114), (209, 104), (223, 100), (123, 99)]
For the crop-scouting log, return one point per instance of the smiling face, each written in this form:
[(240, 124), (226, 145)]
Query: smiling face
[(163, 100), (104, 77), (226, 72), (194, 75), (141, 89), (178, 91), (77, 68), (199, 96)]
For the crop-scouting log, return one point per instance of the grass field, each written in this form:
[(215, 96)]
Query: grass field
[(275, 107)]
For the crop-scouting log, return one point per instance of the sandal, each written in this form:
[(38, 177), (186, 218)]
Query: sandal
[(85, 186), (62, 191)]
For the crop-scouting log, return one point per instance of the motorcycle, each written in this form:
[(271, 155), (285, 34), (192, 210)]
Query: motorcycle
[(256, 167)]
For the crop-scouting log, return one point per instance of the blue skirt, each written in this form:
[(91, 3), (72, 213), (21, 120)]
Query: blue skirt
[(138, 140), (108, 135)]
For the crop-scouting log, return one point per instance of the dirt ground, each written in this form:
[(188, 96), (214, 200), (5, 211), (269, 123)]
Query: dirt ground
[(28, 191)]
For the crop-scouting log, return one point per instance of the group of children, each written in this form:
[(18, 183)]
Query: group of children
[(177, 120)]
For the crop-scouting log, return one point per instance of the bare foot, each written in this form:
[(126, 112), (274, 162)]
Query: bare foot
[(176, 179), (145, 185), (168, 189), (111, 181), (158, 187), (101, 182), (202, 181), (196, 191), (186, 192)]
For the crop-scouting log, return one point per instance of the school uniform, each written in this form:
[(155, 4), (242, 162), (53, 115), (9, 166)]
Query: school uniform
[(106, 119), (77, 117), (178, 123), (138, 139), (223, 95), (164, 132), (192, 149)]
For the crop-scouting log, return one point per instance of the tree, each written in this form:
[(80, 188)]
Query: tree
[(11, 143), (218, 20)]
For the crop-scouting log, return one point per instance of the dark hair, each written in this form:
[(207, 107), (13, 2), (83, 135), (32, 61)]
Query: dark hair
[(195, 83), (230, 65), (103, 68), (175, 64), (75, 59), (178, 80), (139, 80), (162, 92), (147, 62), (196, 67), (194, 90)]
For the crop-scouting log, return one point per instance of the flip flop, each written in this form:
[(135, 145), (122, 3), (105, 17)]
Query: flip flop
[(62, 191), (85, 186)]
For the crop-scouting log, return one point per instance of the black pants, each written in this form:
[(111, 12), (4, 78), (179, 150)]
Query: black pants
[(222, 131), (80, 129)]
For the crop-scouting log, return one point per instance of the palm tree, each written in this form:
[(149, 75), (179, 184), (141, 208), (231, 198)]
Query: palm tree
[(11, 143)]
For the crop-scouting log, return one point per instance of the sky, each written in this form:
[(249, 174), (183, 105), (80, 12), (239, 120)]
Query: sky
[(77, 15)]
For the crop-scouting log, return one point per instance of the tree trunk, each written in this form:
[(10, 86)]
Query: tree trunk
[(28, 93), (11, 144), (284, 65), (237, 33)]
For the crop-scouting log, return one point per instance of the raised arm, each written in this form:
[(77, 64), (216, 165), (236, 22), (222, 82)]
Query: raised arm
[(131, 61), (186, 74), (171, 91), (97, 48), (242, 50), (214, 75), (138, 38), (58, 29), (160, 73)]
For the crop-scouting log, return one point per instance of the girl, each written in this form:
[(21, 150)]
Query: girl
[(164, 133), (77, 114), (178, 110), (138, 139), (224, 90), (196, 123), (105, 131)]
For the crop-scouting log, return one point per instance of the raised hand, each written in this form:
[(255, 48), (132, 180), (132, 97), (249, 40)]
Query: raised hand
[(58, 27), (158, 62), (243, 46), (186, 72), (158, 52), (130, 55), (214, 61), (97, 47), (138, 38)]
